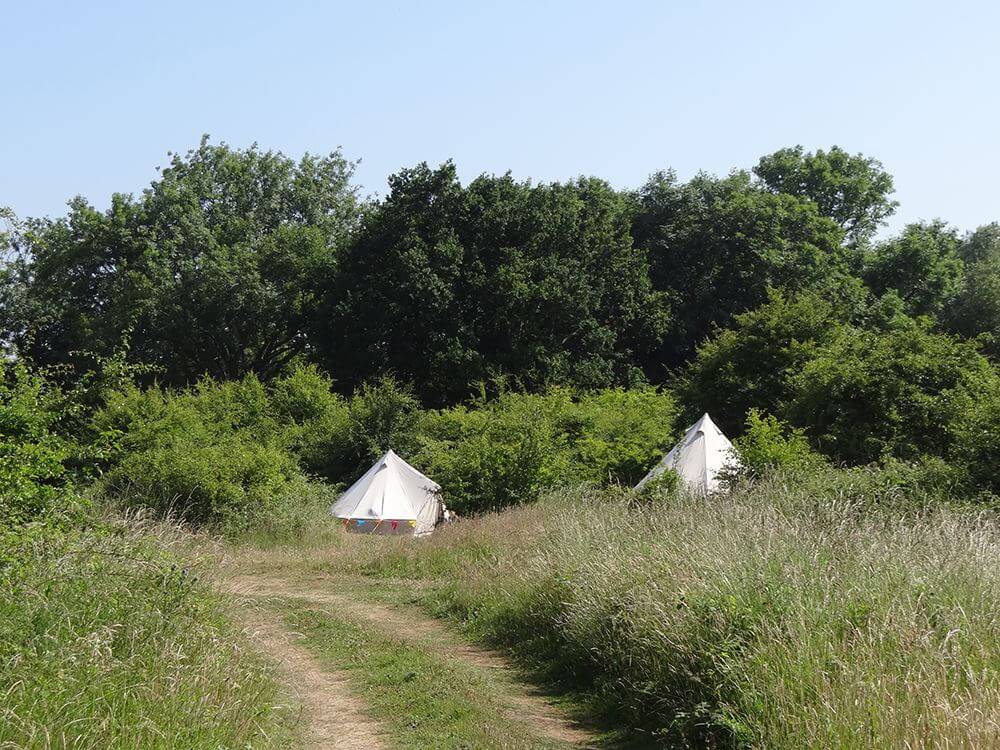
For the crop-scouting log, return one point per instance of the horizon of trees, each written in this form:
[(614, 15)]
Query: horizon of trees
[(762, 289)]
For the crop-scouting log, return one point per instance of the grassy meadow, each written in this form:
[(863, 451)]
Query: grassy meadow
[(816, 610)]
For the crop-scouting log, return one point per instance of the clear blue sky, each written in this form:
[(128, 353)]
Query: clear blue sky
[(94, 94)]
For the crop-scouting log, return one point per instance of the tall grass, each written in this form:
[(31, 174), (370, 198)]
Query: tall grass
[(795, 612), (106, 641)]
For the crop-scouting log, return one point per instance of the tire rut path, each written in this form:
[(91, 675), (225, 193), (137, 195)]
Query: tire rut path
[(523, 704), (332, 716)]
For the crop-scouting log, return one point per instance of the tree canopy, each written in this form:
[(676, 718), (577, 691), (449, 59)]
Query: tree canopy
[(447, 286), (209, 271), (764, 290), (854, 191)]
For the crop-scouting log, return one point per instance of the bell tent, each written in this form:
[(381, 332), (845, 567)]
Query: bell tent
[(698, 458), (391, 498)]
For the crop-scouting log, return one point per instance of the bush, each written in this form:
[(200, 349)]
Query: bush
[(767, 444), (34, 481), (215, 454), (508, 451), (495, 456), (902, 393), (317, 422), (616, 436)]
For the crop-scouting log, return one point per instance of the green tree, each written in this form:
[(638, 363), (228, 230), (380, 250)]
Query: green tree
[(975, 310), (853, 190), (717, 245), (868, 394), (212, 269), (747, 365), (981, 245), (921, 265), (447, 286)]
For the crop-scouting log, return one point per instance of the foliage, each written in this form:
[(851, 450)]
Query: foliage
[(746, 365), (717, 245), (382, 415), (975, 310), (974, 438), (852, 190), (447, 286), (767, 444), (506, 452), (213, 454), (211, 270), (902, 393), (34, 480), (921, 265), (664, 484)]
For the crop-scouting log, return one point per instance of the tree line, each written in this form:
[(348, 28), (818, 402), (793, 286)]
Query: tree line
[(766, 289)]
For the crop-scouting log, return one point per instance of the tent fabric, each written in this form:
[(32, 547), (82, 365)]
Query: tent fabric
[(698, 458), (392, 490)]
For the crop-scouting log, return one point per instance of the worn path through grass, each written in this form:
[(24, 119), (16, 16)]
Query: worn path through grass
[(352, 659), (331, 716)]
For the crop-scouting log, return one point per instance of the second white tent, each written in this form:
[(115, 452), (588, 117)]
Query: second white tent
[(698, 458)]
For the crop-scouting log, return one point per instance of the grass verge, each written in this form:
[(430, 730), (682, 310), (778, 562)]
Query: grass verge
[(108, 641)]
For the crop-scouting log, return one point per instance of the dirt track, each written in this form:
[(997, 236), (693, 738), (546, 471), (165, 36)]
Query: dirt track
[(335, 718)]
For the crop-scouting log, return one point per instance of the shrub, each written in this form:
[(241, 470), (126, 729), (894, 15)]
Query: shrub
[(317, 422), (767, 444), (214, 454), (492, 457), (34, 481), (231, 483), (383, 415), (616, 436), (507, 451), (901, 393), (662, 485)]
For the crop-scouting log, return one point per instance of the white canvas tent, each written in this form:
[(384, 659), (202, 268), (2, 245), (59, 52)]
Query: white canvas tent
[(698, 457), (391, 497)]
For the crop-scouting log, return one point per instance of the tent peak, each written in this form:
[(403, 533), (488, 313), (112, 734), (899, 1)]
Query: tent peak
[(703, 422)]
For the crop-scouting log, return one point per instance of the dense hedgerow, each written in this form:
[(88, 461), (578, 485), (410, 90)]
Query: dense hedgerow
[(508, 451), (215, 455), (236, 455)]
